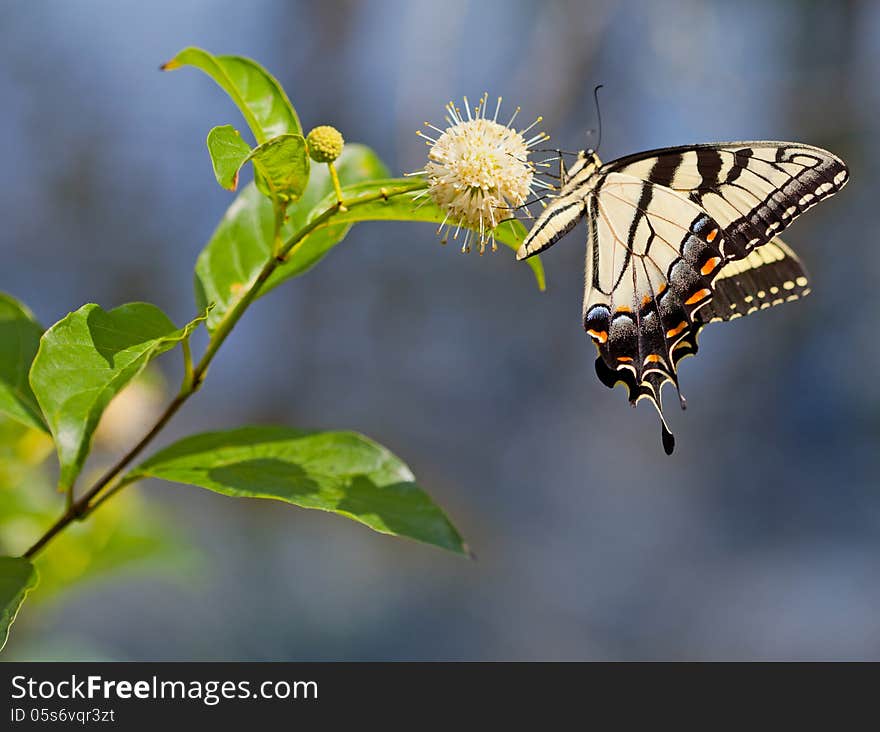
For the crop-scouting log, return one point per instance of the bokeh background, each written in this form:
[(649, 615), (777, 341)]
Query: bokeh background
[(758, 539)]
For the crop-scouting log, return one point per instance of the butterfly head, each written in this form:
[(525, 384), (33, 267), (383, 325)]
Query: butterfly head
[(586, 163)]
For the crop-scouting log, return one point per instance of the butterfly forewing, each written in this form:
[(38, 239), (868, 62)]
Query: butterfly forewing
[(753, 189), (566, 210)]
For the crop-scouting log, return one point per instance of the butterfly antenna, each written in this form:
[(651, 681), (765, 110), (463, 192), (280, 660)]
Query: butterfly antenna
[(598, 114)]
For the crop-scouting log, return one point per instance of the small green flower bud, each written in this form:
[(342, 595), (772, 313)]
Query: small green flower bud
[(325, 144)]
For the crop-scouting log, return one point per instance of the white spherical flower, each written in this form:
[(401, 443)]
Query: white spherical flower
[(478, 171)]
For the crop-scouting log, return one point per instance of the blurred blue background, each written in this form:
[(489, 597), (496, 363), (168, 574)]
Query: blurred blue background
[(758, 539)]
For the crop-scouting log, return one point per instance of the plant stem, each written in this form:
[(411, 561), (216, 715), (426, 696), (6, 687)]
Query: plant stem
[(336, 186), (82, 507), (187, 364)]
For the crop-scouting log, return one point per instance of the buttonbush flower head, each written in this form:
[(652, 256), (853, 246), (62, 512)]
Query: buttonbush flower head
[(325, 144), (478, 170)]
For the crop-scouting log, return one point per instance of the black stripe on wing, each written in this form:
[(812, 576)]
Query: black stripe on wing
[(753, 189)]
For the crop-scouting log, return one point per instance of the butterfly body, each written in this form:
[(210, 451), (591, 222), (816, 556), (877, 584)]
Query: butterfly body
[(678, 238)]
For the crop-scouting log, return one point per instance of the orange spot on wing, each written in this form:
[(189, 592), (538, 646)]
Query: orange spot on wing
[(623, 309), (710, 237), (661, 289), (624, 359), (710, 265), (653, 358), (697, 296), (599, 335), (672, 332), (645, 300)]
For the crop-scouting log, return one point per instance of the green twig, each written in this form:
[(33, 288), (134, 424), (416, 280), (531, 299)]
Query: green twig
[(336, 187), (187, 365)]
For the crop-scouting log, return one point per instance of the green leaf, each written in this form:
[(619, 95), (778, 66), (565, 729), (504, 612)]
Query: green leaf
[(283, 167), (86, 359), (242, 243), (282, 164), (341, 472), (17, 578), (19, 340), (404, 208), (258, 95), (228, 153)]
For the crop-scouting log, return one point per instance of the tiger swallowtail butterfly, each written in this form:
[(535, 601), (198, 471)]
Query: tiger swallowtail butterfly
[(678, 238)]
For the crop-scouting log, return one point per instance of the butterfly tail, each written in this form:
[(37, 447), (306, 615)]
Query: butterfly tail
[(651, 389)]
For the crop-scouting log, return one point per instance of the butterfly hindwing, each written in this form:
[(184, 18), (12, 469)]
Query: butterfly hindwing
[(769, 275), (652, 258)]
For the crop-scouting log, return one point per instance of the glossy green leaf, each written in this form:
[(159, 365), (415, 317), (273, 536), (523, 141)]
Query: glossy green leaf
[(258, 95), (282, 163), (19, 339), (242, 243), (283, 167), (228, 153), (341, 472), (17, 578), (86, 359), (405, 208)]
